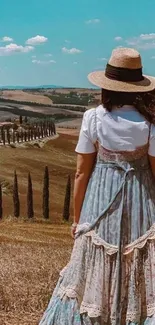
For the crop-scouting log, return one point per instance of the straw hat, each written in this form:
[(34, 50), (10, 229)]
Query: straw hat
[(123, 73)]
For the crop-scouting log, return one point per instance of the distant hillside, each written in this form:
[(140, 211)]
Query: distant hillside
[(30, 87)]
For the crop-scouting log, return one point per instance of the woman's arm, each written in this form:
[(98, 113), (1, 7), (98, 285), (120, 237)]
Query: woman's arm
[(85, 164), (152, 163)]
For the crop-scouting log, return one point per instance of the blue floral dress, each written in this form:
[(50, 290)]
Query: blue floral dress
[(110, 278)]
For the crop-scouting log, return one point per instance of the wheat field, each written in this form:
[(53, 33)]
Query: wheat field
[(33, 253)]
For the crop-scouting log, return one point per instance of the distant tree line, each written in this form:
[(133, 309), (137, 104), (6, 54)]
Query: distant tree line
[(67, 99), (72, 108), (30, 199), (55, 116)]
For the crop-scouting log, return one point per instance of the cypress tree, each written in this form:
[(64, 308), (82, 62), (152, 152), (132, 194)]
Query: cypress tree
[(54, 128), (22, 136), (8, 136), (13, 136), (30, 211), (1, 202), (25, 120), (3, 137), (31, 134), (20, 119), (17, 135), (2, 133), (44, 129), (46, 194), (35, 133), (25, 136), (38, 132), (16, 201), (42, 133), (66, 210), (49, 128), (28, 134)]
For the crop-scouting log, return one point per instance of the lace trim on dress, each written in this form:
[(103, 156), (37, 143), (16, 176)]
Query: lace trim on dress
[(82, 279), (94, 311), (112, 249)]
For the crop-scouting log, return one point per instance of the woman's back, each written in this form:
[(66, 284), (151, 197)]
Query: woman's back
[(122, 129), (110, 277)]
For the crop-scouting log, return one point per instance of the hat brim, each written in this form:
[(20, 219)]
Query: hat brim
[(99, 79)]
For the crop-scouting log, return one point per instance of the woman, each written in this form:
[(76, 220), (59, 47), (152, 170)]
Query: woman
[(110, 279)]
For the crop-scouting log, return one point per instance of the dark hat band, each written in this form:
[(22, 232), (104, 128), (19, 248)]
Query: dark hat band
[(123, 74)]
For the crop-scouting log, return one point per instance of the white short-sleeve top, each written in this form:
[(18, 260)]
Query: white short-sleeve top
[(122, 129)]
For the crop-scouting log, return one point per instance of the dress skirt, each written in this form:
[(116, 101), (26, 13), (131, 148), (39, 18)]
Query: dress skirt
[(110, 278)]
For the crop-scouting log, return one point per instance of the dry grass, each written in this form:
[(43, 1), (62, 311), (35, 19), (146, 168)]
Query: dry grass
[(33, 253), (25, 96), (31, 257)]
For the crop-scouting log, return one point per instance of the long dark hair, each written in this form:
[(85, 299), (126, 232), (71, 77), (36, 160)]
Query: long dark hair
[(143, 102)]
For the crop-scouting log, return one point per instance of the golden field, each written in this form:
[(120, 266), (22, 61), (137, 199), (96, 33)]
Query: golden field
[(33, 253)]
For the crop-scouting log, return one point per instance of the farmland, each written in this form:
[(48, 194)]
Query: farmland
[(34, 251)]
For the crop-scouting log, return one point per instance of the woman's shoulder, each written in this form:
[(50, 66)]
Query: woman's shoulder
[(91, 113)]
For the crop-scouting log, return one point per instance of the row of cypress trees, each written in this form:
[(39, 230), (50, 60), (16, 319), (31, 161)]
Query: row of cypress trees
[(45, 202), (34, 132)]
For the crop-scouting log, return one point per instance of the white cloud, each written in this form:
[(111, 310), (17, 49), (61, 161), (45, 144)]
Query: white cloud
[(71, 51), (36, 40), (93, 21), (48, 55), (143, 41), (153, 57), (102, 59), (75, 62), (67, 41), (118, 38), (14, 48), (7, 39), (137, 43), (147, 37), (52, 61), (43, 62), (146, 46), (33, 56), (36, 61)]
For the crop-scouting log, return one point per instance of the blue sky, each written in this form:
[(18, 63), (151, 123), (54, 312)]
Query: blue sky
[(60, 42)]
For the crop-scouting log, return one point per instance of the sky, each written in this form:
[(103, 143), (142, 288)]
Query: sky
[(58, 42)]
